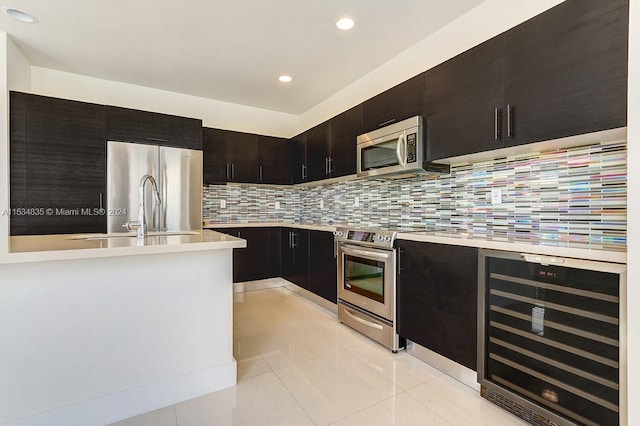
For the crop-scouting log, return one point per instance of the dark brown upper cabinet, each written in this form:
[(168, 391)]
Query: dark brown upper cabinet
[(273, 160), (396, 104), (566, 71), (344, 129), (559, 74), (318, 152), (57, 165), (299, 159), (329, 148), (130, 125), (229, 156), (464, 97)]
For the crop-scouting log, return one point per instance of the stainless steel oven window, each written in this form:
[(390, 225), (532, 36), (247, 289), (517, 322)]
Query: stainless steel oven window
[(365, 277)]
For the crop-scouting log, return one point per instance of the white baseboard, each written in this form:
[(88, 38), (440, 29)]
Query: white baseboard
[(451, 368), (258, 285), (132, 402)]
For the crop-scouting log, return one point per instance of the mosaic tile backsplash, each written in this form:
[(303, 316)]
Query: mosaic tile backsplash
[(575, 195)]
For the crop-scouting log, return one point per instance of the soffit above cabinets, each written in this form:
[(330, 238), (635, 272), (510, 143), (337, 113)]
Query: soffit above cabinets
[(231, 51)]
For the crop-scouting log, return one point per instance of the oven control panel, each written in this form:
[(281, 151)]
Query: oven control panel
[(374, 238)]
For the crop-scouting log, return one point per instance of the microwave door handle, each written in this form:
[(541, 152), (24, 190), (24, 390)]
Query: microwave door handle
[(401, 151)]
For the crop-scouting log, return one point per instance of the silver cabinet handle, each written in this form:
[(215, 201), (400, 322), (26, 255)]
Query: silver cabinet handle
[(362, 321), (509, 121), (304, 170), (260, 174), (497, 124), (326, 165), (226, 174), (387, 122), (330, 165), (233, 171)]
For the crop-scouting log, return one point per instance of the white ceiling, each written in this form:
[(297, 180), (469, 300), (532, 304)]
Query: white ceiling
[(231, 50)]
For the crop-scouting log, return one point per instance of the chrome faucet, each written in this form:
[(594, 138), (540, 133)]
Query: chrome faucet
[(140, 225)]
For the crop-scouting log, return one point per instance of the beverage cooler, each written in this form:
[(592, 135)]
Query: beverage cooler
[(549, 338)]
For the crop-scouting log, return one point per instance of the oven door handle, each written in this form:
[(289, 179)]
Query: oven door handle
[(362, 321), (365, 253)]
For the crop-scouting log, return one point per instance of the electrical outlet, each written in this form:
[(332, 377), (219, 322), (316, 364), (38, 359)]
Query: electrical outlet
[(496, 196), (223, 204), (356, 201), (277, 205)]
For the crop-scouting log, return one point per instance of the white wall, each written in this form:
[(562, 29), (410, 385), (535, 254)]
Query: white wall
[(4, 142), (633, 213), (487, 20), (18, 68), (218, 114)]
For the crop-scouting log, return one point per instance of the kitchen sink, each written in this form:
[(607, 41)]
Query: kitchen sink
[(129, 235)]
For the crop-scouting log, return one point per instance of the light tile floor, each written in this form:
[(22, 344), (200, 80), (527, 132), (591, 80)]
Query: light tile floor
[(297, 365)]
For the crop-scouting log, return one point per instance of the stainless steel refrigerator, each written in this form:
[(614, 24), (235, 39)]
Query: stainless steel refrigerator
[(178, 173)]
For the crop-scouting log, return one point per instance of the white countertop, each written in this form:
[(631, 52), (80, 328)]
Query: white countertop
[(577, 250), (39, 248)]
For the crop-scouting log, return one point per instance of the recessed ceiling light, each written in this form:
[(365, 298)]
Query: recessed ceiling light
[(285, 78), (18, 14), (345, 23)]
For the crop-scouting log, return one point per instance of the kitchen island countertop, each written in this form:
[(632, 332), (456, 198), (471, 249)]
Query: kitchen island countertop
[(37, 248)]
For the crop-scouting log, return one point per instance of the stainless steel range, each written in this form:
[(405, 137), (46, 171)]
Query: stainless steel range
[(367, 283)]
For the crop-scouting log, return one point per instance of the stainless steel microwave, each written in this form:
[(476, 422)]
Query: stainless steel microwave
[(396, 150)]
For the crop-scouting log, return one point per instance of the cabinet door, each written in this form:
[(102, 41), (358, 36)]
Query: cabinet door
[(322, 265), (270, 150), (274, 253), (130, 125), (285, 163), (295, 256), (299, 159), (464, 99), (214, 152), (437, 298), (229, 156), (567, 71), (318, 152), (252, 262), (345, 128), (18, 162), (396, 104), (65, 165), (242, 156)]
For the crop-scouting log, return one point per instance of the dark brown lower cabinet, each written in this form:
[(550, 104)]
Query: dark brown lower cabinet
[(305, 258), (322, 265), (260, 259), (437, 293), (295, 256)]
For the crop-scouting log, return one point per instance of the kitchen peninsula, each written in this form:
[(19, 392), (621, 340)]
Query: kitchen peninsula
[(99, 329)]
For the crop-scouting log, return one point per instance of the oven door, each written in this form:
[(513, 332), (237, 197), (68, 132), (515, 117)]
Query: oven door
[(366, 278)]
